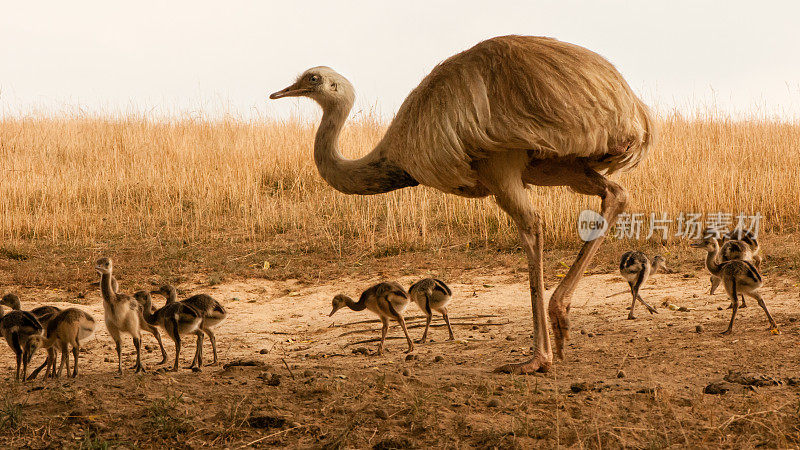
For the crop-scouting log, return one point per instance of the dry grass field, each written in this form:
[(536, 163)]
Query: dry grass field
[(236, 209)]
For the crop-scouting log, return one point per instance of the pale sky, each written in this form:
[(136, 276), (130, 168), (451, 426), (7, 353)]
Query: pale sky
[(199, 57)]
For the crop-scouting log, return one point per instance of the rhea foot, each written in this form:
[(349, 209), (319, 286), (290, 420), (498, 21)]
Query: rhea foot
[(536, 364)]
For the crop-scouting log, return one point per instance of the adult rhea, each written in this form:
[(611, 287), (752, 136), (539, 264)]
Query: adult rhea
[(509, 112)]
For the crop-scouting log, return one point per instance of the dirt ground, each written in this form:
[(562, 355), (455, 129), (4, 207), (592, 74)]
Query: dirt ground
[(624, 383)]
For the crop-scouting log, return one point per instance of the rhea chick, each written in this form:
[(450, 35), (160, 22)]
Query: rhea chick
[(388, 300), (213, 314), (18, 328), (636, 268), (431, 295), (738, 277), (176, 319), (67, 329)]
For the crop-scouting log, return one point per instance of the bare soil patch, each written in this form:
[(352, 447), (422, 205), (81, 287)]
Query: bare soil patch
[(303, 379)]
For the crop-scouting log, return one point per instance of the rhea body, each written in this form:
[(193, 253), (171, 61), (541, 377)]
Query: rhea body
[(19, 329), (738, 277), (43, 314), (68, 328), (122, 314), (636, 268), (388, 300), (431, 294), (176, 319), (212, 311), (510, 112), (739, 244)]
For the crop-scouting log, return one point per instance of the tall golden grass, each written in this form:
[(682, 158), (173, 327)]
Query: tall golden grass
[(87, 180)]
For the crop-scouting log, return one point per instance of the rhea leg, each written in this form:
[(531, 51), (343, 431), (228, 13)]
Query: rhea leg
[(137, 343), (405, 330), (503, 178), (651, 309), (583, 180), (197, 350), (714, 284), (633, 302), (772, 324), (64, 359), (447, 321), (427, 325), (384, 329), (75, 351), (730, 288), (213, 338), (157, 335)]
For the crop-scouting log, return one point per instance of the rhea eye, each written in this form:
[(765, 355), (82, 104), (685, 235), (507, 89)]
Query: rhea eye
[(314, 78)]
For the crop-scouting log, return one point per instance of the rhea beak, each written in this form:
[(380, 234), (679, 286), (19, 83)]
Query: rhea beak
[(696, 244), (292, 91), (333, 311)]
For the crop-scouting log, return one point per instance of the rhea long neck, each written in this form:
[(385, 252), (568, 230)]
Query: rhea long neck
[(371, 174), (355, 306), (146, 310), (711, 261), (106, 289)]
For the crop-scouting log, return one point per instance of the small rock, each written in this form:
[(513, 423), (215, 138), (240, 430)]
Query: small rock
[(717, 388), (263, 351), (590, 334), (580, 386), (793, 381), (474, 327), (274, 380), (106, 359), (411, 357), (792, 319), (406, 372), (583, 331), (494, 403), (382, 414), (695, 296), (264, 421), (438, 358), (307, 373), (683, 309), (719, 308), (620, 374), (698, 328), (361, 350), (670, 324), (149, 347), (510, 338), (648, 339)]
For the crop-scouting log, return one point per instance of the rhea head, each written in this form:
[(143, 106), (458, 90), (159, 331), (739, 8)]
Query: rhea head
[(321, 84), (104, 266)]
